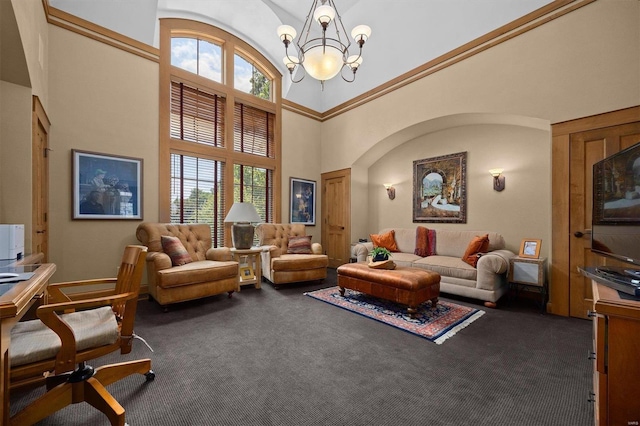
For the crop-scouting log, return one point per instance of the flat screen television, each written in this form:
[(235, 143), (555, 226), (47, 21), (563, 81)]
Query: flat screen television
[(615, 230)]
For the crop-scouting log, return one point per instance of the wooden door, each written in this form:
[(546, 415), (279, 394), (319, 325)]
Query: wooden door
[(336, 216), (587, 148), (40, 177)]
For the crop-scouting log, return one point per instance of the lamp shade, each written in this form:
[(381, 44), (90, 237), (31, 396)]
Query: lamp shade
[(242, 212)]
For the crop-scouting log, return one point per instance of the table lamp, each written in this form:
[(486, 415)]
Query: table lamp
[(241, 215)]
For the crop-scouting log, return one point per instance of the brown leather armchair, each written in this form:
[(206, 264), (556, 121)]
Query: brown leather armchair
[(211, 270), (281, 267)]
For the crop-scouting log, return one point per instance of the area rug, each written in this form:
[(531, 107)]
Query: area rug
[(434, 324)]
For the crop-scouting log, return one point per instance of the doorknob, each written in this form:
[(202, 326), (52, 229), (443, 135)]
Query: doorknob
[(40, 232), (580, 234)]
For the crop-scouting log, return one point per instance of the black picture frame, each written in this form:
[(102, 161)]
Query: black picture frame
[(116, 193), (302, 201)]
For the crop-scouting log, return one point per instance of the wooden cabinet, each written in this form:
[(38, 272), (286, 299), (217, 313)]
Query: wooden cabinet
[(616, 357)]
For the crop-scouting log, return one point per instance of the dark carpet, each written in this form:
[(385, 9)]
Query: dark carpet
[(277, 357)]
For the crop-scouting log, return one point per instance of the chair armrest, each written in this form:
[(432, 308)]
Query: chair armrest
[(492, 269), (316, 248), (496, 261), (360, 251), (159, 259), (49, 315), (219, 254), (56, 294)]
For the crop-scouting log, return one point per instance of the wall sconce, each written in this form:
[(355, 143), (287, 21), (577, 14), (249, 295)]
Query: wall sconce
[(391, 191), (498, 179)]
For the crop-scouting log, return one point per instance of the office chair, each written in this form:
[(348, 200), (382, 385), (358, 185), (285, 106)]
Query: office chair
[(69, 333)]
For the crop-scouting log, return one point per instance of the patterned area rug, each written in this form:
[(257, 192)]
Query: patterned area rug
[(434, 324)]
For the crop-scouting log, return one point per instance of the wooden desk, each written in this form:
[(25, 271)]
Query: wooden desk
[(616, 345), (13, 305)]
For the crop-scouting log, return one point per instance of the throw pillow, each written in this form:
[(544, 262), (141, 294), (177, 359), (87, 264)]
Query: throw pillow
[(477, 246), (386, 240), (299, 245), (176, 251)]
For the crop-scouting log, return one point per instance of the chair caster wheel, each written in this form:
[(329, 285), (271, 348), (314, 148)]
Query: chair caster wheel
[(150, 376)]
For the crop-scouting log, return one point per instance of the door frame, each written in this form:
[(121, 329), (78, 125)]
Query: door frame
[(39, 168), (559, 285)]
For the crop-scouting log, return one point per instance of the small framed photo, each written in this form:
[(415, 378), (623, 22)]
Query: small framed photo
[(303, 201), (106, 186), (530, 248), (246, 273)]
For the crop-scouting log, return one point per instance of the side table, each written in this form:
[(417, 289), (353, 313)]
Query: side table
[(250, 265), (528, 272)]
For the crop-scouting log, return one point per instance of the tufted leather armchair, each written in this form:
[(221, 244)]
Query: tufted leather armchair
[(280, 267), (212, 270)]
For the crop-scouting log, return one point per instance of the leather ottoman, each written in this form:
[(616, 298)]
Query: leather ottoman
[(408, 286)]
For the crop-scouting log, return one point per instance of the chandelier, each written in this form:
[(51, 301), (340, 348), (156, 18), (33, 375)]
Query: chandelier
[(323, 56)]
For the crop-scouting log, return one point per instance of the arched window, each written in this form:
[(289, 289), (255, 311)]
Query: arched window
[(220, 127)]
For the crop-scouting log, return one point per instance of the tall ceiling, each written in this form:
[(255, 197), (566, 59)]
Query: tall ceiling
[(405, 33)]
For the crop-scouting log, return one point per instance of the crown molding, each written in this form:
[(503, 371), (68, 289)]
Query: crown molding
[(513, 29), (99, 33)]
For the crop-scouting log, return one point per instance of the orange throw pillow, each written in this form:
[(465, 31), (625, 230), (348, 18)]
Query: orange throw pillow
[(479, 244), (387, 241)]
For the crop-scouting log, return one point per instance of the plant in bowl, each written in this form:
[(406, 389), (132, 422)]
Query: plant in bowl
[(380, 253)]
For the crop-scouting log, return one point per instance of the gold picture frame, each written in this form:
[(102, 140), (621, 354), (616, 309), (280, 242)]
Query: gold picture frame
[(530, 248), (440, 189), (246, 273)]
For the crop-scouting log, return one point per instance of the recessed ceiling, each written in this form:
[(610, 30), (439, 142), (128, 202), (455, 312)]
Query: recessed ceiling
[(405, 33)]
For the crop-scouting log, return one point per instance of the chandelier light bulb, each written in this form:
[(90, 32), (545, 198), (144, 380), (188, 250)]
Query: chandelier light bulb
[(290, 62), (361, 33), (286, 33), (324, 15), (354, 61)]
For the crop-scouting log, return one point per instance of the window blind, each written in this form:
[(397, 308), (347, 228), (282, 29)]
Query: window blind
[(253, 131), (196, 116), (197, 193)]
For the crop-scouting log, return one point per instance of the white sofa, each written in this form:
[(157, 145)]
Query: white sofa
[(487, 282)]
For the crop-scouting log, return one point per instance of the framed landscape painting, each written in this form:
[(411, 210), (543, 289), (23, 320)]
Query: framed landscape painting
[(440, 190), (106, 186), (302, 201)]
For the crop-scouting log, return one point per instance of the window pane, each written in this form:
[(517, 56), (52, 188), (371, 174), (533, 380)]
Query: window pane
[(197, 56), (249, 79), (253, 131), (196, 116), (210, 60), (184, 53), (254, 185), (197, 193)]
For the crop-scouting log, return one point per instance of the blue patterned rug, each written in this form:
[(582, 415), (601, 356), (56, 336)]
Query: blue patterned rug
[(434, 324)]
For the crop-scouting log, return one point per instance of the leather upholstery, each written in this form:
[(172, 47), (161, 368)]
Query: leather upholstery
[(280, 267), (212, 271)]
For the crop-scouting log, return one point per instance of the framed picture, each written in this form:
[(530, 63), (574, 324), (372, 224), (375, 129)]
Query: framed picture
[(530, 248), (106, 186), (440, 189), (246, 273), (302, 201)]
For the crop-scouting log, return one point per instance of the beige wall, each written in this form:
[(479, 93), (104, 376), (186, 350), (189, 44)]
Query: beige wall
[(300, 159), (15, 153), (571, 67), (524, 154), (34, 33), (102, 100), (24, 71)]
